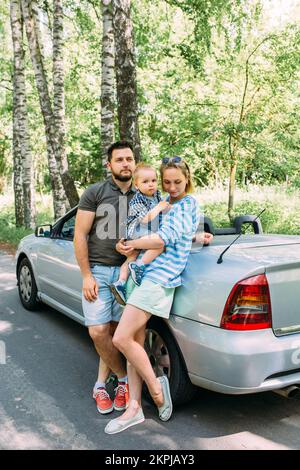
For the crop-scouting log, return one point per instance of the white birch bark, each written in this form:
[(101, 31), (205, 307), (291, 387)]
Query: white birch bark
[(126, 75), (23, 167), (59, 196), (107, 82), (59, 102)]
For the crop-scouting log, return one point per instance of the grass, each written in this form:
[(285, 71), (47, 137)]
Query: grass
[(9, 233), (282, 213)]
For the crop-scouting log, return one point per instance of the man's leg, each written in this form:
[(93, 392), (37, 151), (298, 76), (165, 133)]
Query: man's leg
[(103, 371), (101, 317), (102, 338), (135, 382)]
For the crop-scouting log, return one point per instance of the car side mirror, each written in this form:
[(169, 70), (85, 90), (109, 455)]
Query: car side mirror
[(43, 231)]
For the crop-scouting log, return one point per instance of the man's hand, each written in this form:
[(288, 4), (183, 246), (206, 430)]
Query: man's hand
[(90, 288), (122, 248)]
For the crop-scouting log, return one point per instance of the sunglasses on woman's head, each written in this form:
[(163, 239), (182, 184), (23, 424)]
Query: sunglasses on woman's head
[(175, 159)]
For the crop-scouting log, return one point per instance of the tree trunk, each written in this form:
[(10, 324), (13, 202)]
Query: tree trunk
[(107, 83), (126, 75), (18, 176), (59, 186), (23, 168), (233, 168), (59, 102), (59, 196)]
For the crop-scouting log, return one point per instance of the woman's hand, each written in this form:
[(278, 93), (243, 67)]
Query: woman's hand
[(124, 249), (208, 237), (203, 237)]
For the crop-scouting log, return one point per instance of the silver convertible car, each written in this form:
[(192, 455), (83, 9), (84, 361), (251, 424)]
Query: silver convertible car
[(235, 324)]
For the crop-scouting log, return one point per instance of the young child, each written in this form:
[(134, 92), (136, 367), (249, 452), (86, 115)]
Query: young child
[(143, 218)]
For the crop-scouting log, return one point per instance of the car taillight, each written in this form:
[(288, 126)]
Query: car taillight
[(248, 306)]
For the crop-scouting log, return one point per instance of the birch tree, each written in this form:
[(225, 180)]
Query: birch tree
[(59, 196), (126, 75), (62, 184), (107, 82), (59, 103), (23, 168)]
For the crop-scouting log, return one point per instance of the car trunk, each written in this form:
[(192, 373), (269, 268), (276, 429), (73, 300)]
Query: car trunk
[(282, 268), (206, 284), (284, 285)]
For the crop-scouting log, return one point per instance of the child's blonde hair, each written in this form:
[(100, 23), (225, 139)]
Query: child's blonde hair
[(142, 166)]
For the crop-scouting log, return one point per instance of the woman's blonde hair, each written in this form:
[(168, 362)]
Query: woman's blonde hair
[(181, 165)]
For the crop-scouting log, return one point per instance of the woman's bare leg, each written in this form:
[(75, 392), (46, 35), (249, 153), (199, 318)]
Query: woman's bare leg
[(132, 321)]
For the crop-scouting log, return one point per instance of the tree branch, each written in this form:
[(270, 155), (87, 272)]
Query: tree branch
[(247, 75), (184, 137), (95, 10), (252, 98)]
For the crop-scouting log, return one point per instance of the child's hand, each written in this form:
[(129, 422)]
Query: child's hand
[(164, 206)]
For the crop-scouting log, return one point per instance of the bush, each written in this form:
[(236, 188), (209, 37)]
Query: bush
[(282, 214)]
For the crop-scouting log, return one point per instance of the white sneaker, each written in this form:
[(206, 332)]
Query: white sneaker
[(118, 425)]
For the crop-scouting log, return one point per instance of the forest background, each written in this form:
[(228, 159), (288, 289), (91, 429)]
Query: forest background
[(214, 81)]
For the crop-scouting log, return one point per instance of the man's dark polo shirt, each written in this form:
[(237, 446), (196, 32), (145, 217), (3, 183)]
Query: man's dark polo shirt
[(97, 198)]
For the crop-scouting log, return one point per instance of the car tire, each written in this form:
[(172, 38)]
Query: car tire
[(27, 285), (166, 359)]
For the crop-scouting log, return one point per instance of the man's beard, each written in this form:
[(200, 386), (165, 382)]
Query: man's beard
[(122, 178)]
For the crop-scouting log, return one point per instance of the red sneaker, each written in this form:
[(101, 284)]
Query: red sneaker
[(104, 403), (122, 397)]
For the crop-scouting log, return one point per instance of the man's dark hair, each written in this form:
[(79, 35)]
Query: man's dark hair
[(121, 144)]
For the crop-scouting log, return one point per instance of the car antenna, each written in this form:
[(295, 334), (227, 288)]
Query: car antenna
[(220, 259)]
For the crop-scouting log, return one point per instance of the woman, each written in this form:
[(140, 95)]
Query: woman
[(160, 278)]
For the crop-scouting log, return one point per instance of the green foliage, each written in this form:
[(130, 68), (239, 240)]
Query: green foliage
[(191, 70), (231, 17), (281, 204), (8, 231), (282, 214), (5, 99)]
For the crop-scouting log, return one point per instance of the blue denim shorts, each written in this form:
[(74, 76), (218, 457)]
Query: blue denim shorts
[(105, 308)]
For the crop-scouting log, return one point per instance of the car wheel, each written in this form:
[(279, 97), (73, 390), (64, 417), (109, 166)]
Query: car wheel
[(166, 359), (27, 286)]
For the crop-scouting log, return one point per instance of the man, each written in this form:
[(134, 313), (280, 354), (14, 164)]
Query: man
[(98, 227)]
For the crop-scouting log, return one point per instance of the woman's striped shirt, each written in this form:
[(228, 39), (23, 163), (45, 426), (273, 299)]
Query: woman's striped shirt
[(177, 230)]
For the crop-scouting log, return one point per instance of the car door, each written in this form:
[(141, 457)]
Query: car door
[(58, 271)]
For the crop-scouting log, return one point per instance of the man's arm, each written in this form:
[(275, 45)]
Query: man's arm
[(83, 225)]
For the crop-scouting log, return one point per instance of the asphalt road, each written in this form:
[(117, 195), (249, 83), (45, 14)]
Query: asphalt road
[(45, 395)]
